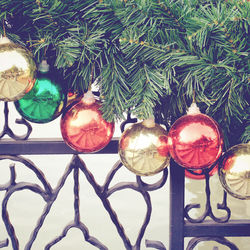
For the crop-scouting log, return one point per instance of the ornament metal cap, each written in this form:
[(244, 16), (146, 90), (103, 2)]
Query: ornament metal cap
[(150, 122), (43, 66), (5, 40), (193, 109), (88, 97)]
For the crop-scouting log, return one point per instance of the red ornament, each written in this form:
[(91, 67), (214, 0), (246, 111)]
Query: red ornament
[(195, 140), (83, 127)]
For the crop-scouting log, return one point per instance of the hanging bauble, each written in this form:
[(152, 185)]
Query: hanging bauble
[(83, 127), (17, 70), (198, 174), (143, 148), (234, 171), (195, 140), (45, 101)]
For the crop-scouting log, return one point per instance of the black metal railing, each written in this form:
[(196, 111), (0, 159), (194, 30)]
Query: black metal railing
[(181, 223)]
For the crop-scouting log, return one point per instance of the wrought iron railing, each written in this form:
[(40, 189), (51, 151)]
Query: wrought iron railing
[(181, 223)]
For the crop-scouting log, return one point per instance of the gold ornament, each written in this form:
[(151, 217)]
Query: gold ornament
[(143, 148), (17, 70), (234, 171)]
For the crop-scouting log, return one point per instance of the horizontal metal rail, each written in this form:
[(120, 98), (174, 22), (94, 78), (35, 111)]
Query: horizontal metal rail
[(47, 146), (233, 228)]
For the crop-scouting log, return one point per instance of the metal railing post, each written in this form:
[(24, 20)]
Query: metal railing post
[(176, 238)]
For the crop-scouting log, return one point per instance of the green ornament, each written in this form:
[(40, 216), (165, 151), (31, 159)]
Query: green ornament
[(45, 101)]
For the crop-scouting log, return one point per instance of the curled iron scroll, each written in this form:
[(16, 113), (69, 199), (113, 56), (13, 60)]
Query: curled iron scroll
[(208, 209), (195, 241), (155, 244), (127, 121), (4, 243), (12, 186), (8, 131)]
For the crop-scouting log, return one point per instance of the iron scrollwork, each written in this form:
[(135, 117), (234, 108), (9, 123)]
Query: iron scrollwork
[(4, 243), (127, 121), (208, 209), (8, 131), (49, 195), (195, 241)]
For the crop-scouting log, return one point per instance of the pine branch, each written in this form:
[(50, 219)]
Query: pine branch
[(114, 88), (149, 56)]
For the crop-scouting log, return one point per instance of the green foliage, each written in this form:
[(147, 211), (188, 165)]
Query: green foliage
[(146, 56)]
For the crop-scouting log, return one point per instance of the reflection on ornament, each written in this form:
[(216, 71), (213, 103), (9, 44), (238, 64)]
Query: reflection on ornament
[(195, 141), (44, 102), (234, 171), (143, 148), (17, 70), (83, 127), (73, 98)]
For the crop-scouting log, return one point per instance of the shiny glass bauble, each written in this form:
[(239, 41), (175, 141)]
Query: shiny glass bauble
[(234, 171), (44, 102), (17, 70), (195, 141), (84, 129), (143, 149)]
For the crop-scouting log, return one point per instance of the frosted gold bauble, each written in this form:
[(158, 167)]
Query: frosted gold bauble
[(234, 171), (143, 149), (17, 70)]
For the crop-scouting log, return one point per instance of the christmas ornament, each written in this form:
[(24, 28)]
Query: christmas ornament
[(198, 174), (83, 127), (195, 140), (143, 148), (45, 101), (17, 70), (234, 171)]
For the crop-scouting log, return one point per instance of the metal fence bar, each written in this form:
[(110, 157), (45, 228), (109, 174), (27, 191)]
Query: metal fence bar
[(237, 228), (47, 146), (176, 240)]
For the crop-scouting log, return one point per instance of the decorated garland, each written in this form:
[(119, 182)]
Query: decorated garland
[(151, 58)]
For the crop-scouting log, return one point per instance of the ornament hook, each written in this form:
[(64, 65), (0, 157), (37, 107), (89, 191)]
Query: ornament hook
[(193, 95), (4, 31)]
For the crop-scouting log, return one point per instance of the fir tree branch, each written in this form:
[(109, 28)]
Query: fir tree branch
[(148, 56)]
